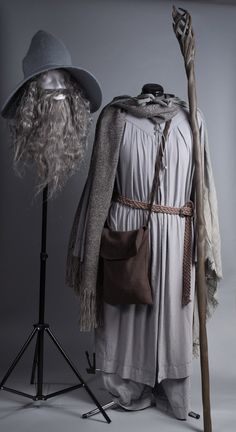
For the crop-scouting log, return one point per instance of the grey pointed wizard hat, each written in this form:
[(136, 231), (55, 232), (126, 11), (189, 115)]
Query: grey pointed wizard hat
[(45, 53)]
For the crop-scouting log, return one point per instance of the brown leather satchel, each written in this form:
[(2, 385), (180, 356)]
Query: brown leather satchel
[(125, 256)]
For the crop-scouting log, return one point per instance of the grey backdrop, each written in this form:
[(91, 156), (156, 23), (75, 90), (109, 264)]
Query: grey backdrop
[(125, 43)]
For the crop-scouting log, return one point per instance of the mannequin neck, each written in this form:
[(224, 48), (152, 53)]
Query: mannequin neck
[(154, 89)]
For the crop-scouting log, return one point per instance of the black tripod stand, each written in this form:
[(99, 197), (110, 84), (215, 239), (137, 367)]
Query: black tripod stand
[(39, 331)]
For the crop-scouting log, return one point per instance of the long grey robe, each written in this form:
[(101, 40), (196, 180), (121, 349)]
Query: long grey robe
[(139, 345)]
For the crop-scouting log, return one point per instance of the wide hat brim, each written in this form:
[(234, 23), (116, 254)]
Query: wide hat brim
[(85, 80)]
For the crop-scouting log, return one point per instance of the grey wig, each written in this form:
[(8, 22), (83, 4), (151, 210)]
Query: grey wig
[(50, 133)]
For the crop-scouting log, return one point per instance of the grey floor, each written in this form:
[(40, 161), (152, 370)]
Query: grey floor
[(63, 413)]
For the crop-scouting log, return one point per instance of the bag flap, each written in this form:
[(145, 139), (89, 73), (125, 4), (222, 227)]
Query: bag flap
[(121, 244)]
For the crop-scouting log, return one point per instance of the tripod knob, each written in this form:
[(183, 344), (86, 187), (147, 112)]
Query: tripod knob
[(44, 256)]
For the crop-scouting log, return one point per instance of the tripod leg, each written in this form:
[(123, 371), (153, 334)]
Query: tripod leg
[(18, 357), (76, 372), (96, 410), (194, 415), (32, 379), (40, 354)]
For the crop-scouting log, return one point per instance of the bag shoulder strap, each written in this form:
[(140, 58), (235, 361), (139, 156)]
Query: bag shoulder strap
[(156, 179)]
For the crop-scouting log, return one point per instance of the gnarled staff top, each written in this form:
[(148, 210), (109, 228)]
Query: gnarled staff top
[(182, 25)]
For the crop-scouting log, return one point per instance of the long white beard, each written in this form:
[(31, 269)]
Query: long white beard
[(53, 138)]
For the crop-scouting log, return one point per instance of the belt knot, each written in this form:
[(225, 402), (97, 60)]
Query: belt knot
[(187, 209)]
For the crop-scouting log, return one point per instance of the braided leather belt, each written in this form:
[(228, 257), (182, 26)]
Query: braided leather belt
[(186, 211)]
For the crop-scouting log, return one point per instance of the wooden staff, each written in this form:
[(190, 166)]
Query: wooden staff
[(182, 25)]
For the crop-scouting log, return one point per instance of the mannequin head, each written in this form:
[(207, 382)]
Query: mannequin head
[(50, 128)]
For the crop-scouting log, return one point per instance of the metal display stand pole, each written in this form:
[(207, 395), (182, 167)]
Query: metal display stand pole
[(39, 331)]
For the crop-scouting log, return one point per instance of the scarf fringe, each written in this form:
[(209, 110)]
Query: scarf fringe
[(212, 302), (91, 315), (212, 280), (196, 348), (88, 316)]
